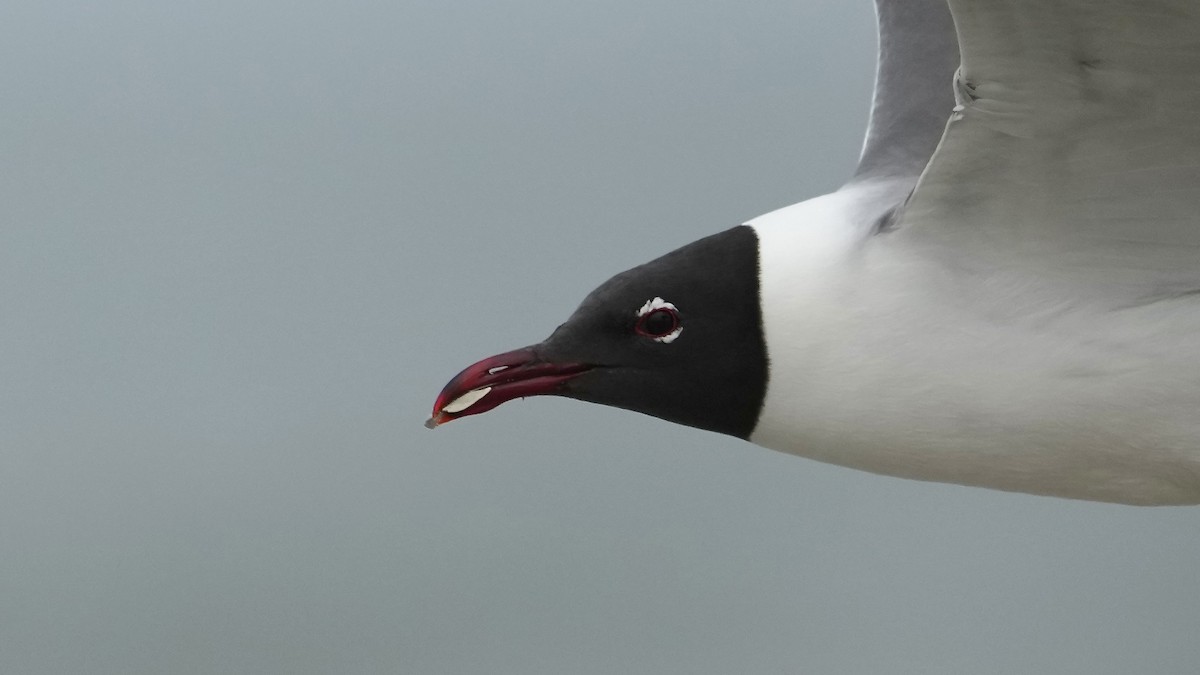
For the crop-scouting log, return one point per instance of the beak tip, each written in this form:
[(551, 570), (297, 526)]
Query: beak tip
[(433, 422)]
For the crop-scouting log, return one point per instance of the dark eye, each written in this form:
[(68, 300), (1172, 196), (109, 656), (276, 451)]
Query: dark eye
[(658, 323)]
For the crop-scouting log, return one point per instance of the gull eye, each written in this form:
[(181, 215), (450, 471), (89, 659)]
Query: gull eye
[(658, 323), (659, 320)]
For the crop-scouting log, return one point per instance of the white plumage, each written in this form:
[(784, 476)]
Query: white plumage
[(1029, 317)]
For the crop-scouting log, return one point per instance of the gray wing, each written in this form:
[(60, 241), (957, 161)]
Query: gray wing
[(918, 52), (1076, 144)]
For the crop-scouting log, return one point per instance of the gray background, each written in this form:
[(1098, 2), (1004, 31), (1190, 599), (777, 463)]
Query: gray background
[(243, 247)]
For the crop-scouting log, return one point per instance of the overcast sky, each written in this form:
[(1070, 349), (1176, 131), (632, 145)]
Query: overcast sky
[(245, 244)]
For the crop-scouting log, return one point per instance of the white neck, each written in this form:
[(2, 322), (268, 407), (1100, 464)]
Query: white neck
[(883, 361)]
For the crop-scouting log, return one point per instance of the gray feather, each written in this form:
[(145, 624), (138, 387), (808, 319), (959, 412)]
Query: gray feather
[(918, 53)]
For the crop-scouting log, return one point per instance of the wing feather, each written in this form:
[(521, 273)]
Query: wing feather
[(1077, 141), (918, 52)]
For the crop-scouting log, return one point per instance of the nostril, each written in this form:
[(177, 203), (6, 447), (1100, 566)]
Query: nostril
[(496, 369)]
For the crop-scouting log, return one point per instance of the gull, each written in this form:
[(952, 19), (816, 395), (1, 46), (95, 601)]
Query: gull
[(1005, 293)]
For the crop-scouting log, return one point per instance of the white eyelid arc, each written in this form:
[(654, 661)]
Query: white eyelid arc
[(669, 337), (656, 303), (659, 303)]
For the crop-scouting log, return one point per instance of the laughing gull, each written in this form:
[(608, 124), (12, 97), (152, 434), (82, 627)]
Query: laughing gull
[(1005, 294)]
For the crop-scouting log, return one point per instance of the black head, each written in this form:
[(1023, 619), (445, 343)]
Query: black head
[(679, 338)]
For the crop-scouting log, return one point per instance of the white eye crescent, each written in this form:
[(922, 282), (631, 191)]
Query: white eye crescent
[(659, 321)]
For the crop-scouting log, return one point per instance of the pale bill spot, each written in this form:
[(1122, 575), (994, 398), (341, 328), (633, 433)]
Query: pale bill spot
[(466, 400)]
